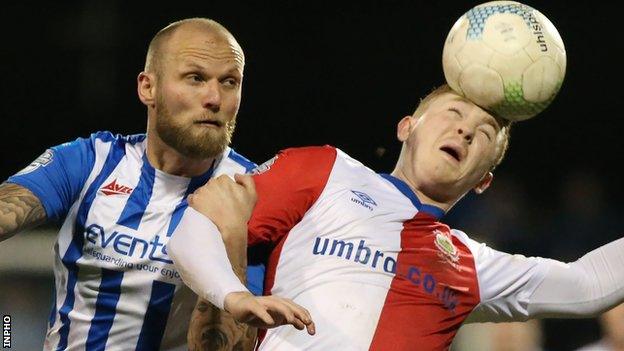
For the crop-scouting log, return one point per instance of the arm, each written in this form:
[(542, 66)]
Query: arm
[(584, 288), (213, 329), (46, 189), (517, 288), (20, 209), (198, 251), (288, 190)]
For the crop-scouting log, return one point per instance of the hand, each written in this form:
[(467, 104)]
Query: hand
[(268, 311), (227, 203)]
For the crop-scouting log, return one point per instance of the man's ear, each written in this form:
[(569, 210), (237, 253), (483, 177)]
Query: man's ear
[(484, 183), (146, 88), (404, 128)]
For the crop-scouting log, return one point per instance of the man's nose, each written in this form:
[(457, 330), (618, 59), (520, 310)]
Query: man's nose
[(466, 133), (211, 94)]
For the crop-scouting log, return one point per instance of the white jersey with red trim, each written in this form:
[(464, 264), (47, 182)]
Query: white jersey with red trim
[(375, 267)]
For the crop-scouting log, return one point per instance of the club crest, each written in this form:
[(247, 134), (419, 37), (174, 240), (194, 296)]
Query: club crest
[(445, 246)]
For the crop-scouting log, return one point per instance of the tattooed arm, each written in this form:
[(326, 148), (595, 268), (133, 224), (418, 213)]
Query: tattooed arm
[(230, 205), (19, 209), (210, 328), (213, 329)]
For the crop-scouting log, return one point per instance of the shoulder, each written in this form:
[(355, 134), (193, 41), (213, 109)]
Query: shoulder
[(231, 162), (463, 237), (238, 159), (117, 139), (299, 159), (477, 249), (107, 137), (101, 138), (309, 152), (325, 161)]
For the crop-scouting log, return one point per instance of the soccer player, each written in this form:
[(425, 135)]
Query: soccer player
[(121, 199), (369, 254)]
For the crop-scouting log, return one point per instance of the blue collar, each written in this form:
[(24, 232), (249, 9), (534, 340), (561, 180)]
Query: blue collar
[(434, 211)]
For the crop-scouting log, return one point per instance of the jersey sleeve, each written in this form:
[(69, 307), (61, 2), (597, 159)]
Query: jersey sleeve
[(287, 186), (517, 288), (201, 258), (58, 175), (506, 282)]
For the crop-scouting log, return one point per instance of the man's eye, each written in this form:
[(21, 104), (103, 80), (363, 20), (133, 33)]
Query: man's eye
[(230, 82), (456, 111), (195, 78), (487, 134)]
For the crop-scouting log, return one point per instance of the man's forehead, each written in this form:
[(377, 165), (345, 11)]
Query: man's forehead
[(196, 53), (195, 62), (203, 40), (452, 97)]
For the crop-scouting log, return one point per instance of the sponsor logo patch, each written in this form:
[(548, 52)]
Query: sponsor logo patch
[(363, 253), (45, 159), (113, 188), (363, 200)]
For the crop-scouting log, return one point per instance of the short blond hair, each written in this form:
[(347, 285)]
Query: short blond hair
[(504, 123)]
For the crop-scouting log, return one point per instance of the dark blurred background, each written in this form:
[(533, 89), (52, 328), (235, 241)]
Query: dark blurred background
[(330, 72)]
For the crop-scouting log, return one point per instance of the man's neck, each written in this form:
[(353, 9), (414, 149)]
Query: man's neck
[(424, 199), (164, 158)]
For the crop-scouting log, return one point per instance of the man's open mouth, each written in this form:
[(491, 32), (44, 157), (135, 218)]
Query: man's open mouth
[(452, 151)]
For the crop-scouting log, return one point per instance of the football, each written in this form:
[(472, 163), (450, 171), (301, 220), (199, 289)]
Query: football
[(506, 57)]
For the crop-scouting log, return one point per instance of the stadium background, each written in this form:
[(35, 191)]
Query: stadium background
[(322, 72)]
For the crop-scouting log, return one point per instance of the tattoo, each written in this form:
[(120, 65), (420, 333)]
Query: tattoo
[(202, 306), (214, 339), (215, 330), (248, 342), (19, 209)]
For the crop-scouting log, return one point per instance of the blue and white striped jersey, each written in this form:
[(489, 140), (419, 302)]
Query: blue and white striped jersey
[(116, 287)]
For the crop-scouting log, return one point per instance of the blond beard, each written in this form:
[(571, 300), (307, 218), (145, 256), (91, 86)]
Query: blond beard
[(184, 140)]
